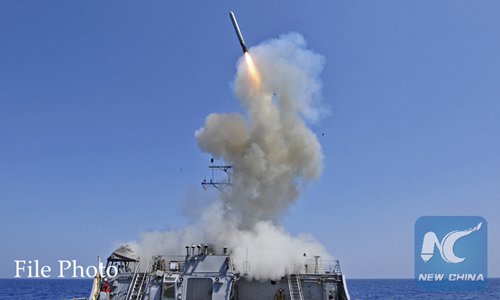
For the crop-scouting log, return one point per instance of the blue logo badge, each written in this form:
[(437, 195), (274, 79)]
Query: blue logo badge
[(450, 253)]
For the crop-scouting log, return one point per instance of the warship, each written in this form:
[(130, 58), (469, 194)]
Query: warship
[(209, 272), (203, 273)]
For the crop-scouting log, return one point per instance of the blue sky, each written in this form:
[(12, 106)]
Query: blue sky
[(100, 101)]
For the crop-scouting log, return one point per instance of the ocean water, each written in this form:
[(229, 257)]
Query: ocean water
[(360, 289), (404, 289), (44, 289)]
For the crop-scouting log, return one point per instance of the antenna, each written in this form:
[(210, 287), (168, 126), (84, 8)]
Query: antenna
[(222, 184)]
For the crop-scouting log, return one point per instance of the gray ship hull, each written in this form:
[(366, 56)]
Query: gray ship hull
[(206, 276)]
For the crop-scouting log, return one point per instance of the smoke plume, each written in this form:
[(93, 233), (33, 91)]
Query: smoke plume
[(273, 153)]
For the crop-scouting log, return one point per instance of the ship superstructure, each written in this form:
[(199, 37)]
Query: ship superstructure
[(202, 274)]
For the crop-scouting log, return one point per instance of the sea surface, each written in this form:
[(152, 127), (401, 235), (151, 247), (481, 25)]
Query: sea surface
[(404, 289), (360, 289)]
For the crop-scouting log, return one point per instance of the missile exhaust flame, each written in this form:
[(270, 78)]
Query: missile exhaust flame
[(252, 70)]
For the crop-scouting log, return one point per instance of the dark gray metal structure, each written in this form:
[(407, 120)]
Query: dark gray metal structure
[(203, 275)]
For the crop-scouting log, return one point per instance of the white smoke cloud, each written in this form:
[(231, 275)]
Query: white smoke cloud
[(272, 151)]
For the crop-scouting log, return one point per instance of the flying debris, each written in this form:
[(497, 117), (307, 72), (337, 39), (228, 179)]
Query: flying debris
[(238, 32)]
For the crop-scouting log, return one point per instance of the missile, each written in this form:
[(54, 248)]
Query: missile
[(238, 32)]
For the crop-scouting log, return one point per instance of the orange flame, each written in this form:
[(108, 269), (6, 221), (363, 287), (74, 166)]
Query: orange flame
[(252, 70)]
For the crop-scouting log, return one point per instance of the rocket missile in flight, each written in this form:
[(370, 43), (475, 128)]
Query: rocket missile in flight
[(238, 32)]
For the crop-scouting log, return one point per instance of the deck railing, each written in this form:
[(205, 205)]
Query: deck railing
[(318, 266)]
